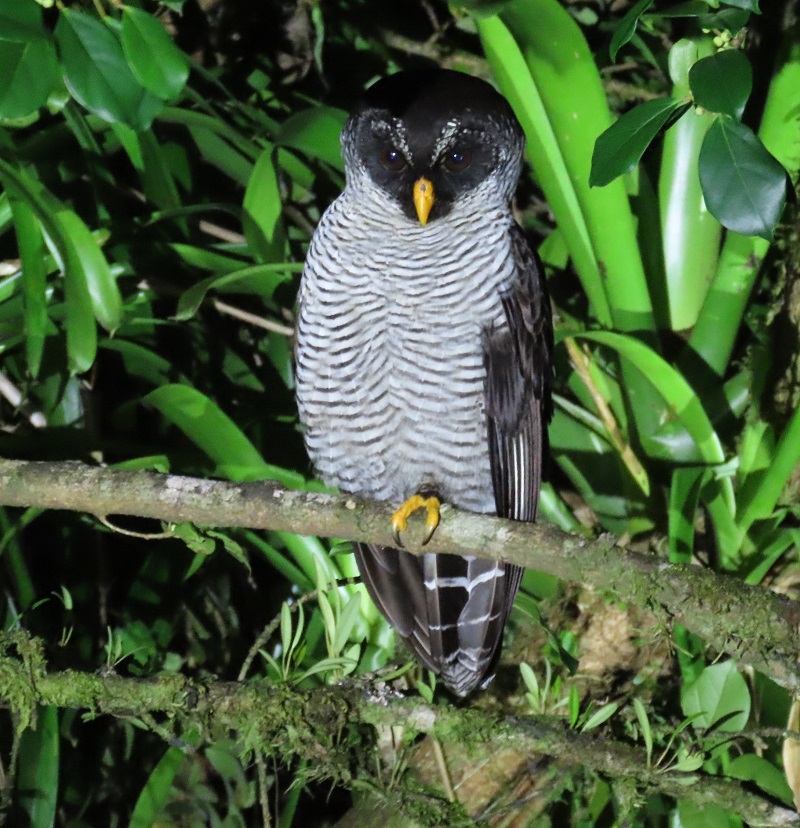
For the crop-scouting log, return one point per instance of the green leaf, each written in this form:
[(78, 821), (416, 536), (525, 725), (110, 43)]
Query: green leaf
[(87, 257), (619, 148), (718, 697), (20, 22), (347, 620), (204, 423), (38, 764), (97, 74), (753, 768), (743, 185), (546, 156), (81, 327), (28, 73), (644, 727), (627, 27), (315, 132), (747, 5), (691, 8), (728, 19), (157, 789), (722, 82), (681, 400), (600, 716), (760, 495), (262, 208), (159, 66), (218, 152), (261, 279), (30, 241)]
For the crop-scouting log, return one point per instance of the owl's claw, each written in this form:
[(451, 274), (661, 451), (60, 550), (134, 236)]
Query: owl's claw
[(400, 518)]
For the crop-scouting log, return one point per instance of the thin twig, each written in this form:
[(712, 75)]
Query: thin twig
[(252, 318)]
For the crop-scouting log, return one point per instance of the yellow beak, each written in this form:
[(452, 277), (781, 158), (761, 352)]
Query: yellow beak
[(423, 199)]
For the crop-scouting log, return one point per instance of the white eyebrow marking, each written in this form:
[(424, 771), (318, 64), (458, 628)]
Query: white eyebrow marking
[(445, 139)]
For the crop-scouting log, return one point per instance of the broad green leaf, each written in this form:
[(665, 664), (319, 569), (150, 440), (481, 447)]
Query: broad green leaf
[(747, 5), (157, 790), (728, 19), (20, 22), (315, 132), (37, 774), (743, 185), (619, 148), (205, 424), (740, 260), (722, 82), (155, 60), (263, 207), (28, 73), (106, 301), (753, 768), (97, 74), (691, 8), (627, 27), (718, 697), (30, 241)]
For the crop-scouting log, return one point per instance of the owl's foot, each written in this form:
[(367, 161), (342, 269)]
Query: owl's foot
[(418, 501)]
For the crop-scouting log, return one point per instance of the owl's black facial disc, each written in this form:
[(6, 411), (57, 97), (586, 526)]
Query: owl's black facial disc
[(446, 128)]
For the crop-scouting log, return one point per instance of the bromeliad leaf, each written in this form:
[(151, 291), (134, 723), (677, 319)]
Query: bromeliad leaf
[(722, 82), (619, 148), (744, 186)]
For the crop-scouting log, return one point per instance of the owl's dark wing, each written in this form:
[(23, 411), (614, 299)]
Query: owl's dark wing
[(518, 378), (518, 402)]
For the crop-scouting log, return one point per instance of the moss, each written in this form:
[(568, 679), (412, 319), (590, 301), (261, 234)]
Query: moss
[(19, 673)]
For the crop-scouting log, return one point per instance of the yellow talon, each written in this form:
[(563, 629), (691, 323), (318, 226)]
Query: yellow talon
[(415, 502)]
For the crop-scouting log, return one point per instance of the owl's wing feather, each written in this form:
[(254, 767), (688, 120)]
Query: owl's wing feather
[(518, 376), (518, 402)]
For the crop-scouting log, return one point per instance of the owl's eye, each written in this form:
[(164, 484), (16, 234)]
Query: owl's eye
[(457, 160), (392, 159)]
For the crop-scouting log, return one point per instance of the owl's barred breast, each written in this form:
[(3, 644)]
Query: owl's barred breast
[(390, 348)]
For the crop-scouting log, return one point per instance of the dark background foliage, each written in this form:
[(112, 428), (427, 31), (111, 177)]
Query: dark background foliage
[(157, 203)]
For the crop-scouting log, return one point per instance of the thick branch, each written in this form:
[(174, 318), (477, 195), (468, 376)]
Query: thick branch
[(752, 624), (275, 719)]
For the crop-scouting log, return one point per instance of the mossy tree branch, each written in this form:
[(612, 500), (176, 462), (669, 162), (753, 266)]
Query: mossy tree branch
[(289, 724), (752, 624)]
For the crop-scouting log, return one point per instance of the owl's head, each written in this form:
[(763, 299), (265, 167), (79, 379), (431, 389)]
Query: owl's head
[(428, 138)]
